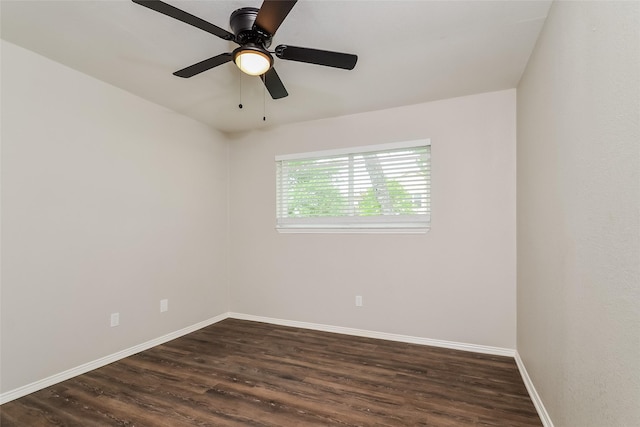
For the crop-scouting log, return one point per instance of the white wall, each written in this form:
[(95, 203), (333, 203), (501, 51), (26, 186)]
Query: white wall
[(455, 283), (109, 204), (578, 214)]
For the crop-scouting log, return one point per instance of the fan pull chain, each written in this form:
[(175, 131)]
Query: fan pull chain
[(264, 103), (240, 104)]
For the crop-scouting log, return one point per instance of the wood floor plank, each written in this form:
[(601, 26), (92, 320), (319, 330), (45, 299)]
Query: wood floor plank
[(241, 373)]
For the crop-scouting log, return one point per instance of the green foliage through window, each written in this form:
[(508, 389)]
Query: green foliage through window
[(391, 183)]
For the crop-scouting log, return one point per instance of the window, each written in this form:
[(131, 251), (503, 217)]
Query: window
[(364, 188)]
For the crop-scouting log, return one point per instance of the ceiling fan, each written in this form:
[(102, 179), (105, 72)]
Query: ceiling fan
[(253, 30)]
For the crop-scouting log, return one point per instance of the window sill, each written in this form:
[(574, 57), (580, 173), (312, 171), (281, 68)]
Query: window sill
[(352, 230)]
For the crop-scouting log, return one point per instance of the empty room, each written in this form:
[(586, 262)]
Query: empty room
[(317, 213)]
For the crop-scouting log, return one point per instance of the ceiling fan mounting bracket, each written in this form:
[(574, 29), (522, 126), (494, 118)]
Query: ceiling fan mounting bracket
[(242, 23)]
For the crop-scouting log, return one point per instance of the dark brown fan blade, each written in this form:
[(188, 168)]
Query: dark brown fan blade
[(274, 84), (181, 15), (205, 65), (314, 56), (272, 13)]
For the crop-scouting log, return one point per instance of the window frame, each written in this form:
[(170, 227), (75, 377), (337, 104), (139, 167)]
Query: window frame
[(419, 223)]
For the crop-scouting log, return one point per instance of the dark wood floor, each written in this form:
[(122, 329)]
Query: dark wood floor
[(239, 373)]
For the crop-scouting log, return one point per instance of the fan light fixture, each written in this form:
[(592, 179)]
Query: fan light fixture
[(253, 30), (252, 60)]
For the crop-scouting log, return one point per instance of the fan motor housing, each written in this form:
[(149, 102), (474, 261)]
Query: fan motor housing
[(242, 24)]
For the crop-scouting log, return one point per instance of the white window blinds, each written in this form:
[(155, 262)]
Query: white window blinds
[(382, 186)]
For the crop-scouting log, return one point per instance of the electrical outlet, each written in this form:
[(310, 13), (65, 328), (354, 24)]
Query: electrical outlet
[(358, 301), (164, 305), (115, 319)]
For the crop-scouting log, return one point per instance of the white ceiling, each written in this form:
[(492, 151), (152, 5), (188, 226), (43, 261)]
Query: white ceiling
[(409, 52)]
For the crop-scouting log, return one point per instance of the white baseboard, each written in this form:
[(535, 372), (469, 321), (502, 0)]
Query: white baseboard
[(535, 397), (70, 373), (496, 351)]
